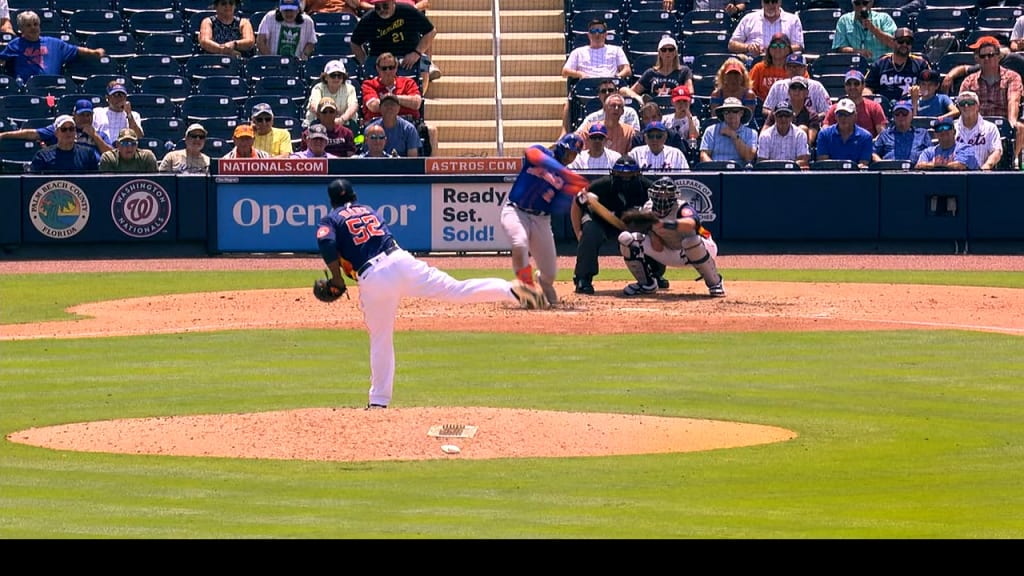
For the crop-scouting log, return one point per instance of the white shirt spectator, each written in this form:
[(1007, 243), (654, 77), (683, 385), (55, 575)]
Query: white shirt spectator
[(110, 122), (670, 158), (754, 28), (585, 162), (983, 138), (816, 92), (773, 146), (603, 62), (629, 116), (271, 29), (680, 125)]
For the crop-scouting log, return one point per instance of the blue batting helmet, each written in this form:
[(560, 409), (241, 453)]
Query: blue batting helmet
[(571, 142)]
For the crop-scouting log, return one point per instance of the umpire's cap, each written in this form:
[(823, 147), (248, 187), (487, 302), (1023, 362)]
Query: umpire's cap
[(625, 165), (341, 192)]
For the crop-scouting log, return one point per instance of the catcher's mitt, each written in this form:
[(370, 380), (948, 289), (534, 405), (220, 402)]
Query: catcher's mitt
[(327, 291), (639, 220)]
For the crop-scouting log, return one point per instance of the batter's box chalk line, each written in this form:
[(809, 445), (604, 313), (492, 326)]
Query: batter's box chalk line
[(452, 431)]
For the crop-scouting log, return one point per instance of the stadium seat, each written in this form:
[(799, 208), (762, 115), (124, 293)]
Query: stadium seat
[(69, 7), (176, 45), (651, 21), (702, 42), (165, 129), (153, 105), (293, 125), (17, 154), (952, 60), (198, 107), (21, 107), (294, 88), (234, 87), (643, 42), (154, 145), (223, 128), (818, 42), (578, 40), (35, 123), (131, 7), (334, 43), (718, 166), (118, 45), (270, 65), (145, 65), (143, 22), (820, 18), (998, 18), (204, 65), (776, 165), (51, 84), (937, 19), (66, 103), (85, 23), (97, 83), (217, 147), (174, 86), (283, 106), (190, 7), (33, 5), (892, 166), (579, 20), (705, 21), (609, 5), (835, 85), (337, 22), (708, 64), (841, 165), (8, 85), (902, 18), (82, 68), (837, 63)]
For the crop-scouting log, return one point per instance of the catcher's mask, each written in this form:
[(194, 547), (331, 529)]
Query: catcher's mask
[(663, 195), (571, 142), (341, 192), (625, 167)]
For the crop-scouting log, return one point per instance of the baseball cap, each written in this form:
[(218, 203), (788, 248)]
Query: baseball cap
[(942, 124), (846, 105), (667, 41), (62, 120), (903, 105), (289, 5), (117, 88), (262, 108), (83, 105), (903, 33), (655, 126), (597, 128), (796, 58), (734, 66), (985, 41), (325, 103), (967, 96), (799, 80), (854, 75), (929, 75), (243, 130), (571, 142), (335, 66), (785, 106), (197, 127), (317, 131), (387, 97), (127, 134), (681, 92)]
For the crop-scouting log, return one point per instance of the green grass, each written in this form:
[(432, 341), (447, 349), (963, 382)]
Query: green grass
[(910, 434)]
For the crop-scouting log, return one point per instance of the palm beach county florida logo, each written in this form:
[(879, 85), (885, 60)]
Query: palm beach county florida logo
[(140, 208), (59, 209)]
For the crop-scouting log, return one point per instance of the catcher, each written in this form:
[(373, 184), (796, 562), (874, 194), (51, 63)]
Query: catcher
[(355, 242), (668, 231), (595, 217)]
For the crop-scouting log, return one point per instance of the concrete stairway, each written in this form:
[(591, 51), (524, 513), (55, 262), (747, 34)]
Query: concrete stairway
[(462, 104)]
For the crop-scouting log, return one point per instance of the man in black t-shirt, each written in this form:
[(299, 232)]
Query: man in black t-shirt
[(399, 29)]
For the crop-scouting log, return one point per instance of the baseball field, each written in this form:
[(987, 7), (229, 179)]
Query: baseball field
[(874, 397)]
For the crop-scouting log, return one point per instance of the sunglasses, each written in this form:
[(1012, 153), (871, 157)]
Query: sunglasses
[(655, 135), (263, 119), (666, 49), (943, 128), (783, 115), (843, 114), (778, 45), (597, 137), (597, 30), (197, 136), (607, 90), (377, 137), (966, 104), (901, 112), (68, 129), (127, 143), (392, 67), (905, 41), (335, 75), (987, 56)]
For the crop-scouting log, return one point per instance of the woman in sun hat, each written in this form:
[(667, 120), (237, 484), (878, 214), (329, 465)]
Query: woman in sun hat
[(334, 84)]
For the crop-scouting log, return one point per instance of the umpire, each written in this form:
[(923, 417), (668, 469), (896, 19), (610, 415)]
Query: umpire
[(624, 188)]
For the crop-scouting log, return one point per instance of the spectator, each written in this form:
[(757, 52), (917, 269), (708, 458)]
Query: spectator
[(399, 30), (659, 80), (595, 156), (772, 68), (226, 32), (286, 31), (1017, 35), (334, 84), (981, 134), (927, 99), (31, 53), (406, 90), (845, 140), (117, 115), (375, 140), (127, 157), (316, 138), (5, 18), (340, 140), (998, 88), (604, 89), (864, 31), (901, 140), (893, 74), (870, 114), (783, 141), (244, 137), (733, 9), (595, 60), (751, 34), (85, 133), (733, 81), (682, 121), (655, 154), (274, 141), (190, 160), (620, 134), (403, 139), (67, 155), (730, 138), (817, 94), (805, 117), (651, 112), (947, 154), (1010, 60)]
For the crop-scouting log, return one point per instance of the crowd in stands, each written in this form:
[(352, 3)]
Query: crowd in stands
[(289, 95)]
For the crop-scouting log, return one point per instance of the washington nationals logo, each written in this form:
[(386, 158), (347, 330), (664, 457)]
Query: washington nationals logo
[(699, 196), (140, 208), (59, 209)]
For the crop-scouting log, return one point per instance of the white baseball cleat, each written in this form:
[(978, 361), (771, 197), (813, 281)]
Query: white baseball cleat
[(530, 297), (717, 291)]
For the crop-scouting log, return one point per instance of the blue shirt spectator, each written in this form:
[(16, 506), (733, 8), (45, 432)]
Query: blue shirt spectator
[(403, 137), (845, 140), (33, 54), (901, 140), (947, 154), (66, 155)]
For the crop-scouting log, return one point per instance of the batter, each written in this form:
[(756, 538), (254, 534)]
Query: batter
[(354, 241)]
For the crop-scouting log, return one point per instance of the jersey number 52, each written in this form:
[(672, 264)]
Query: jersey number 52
[(362, 228)]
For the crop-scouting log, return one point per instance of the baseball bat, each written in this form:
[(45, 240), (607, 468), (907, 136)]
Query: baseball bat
[(597, 208)]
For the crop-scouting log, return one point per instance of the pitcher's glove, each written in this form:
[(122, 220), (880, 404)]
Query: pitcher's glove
[(639, 220), (327, 291)]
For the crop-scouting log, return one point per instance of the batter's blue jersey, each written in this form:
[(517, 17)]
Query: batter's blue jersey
[(538, 185), (353, 232)]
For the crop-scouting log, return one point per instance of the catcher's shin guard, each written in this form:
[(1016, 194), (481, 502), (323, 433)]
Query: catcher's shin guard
[(632, 250), (701, 260)]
